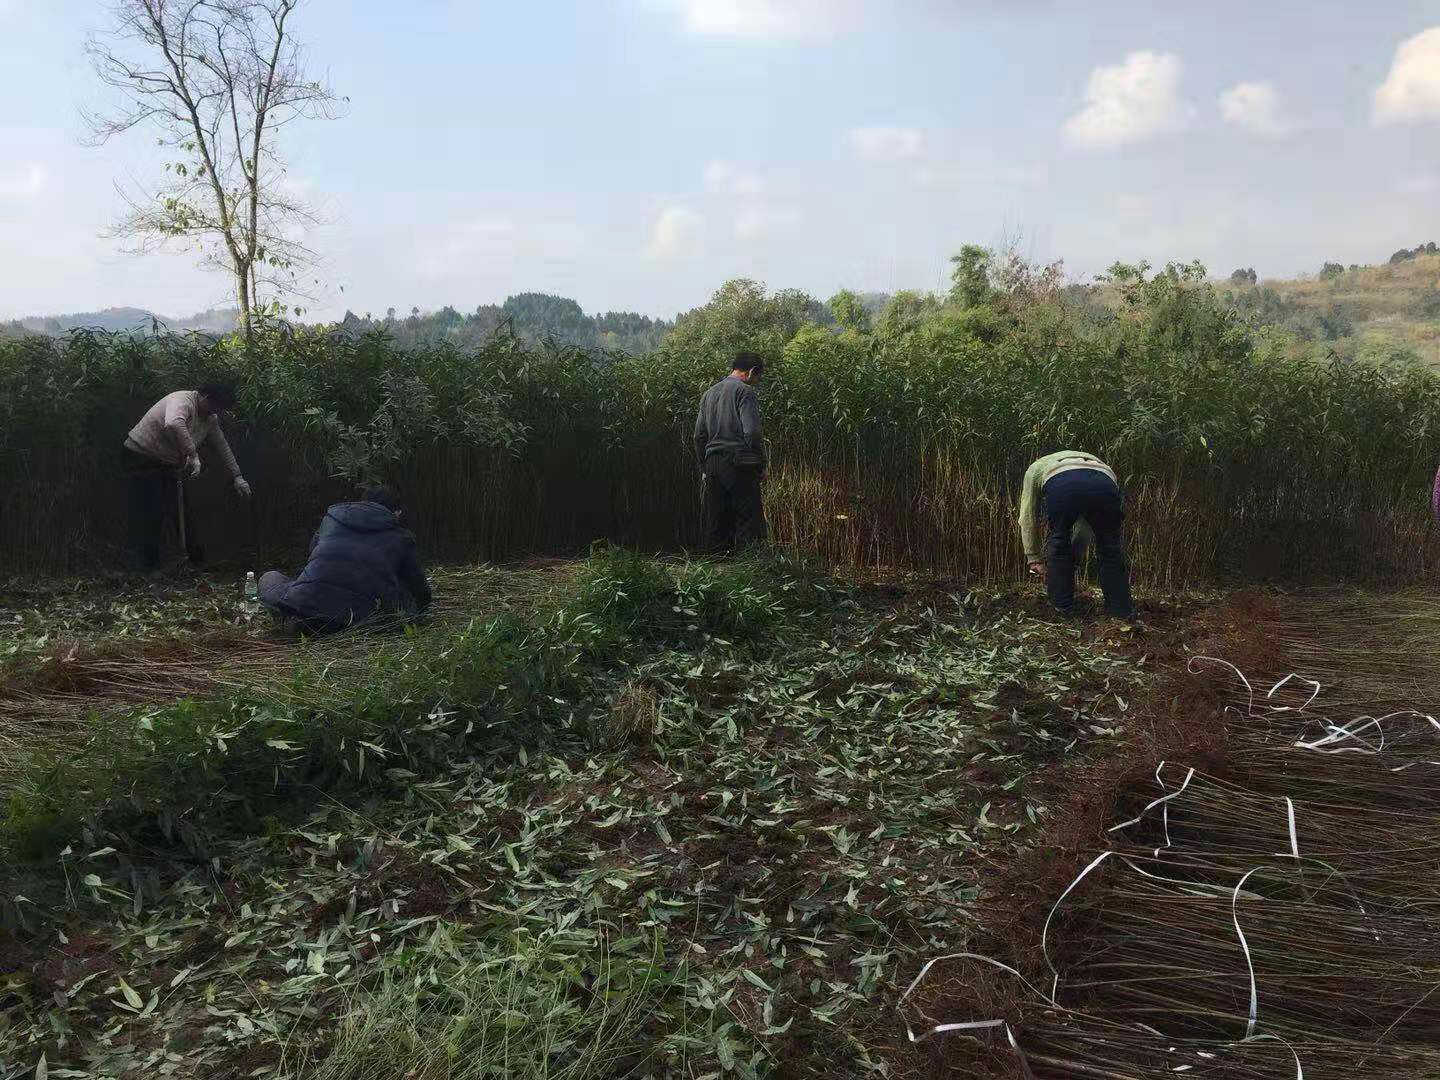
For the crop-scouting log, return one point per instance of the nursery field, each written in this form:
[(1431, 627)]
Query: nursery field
[(615, 817), (627, 817)]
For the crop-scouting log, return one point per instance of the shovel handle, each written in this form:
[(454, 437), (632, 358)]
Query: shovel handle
[(180, 512)]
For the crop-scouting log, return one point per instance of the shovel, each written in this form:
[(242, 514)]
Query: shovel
[(180, 521)]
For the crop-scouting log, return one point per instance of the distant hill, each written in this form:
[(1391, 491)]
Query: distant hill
[(123, 320), (1366, 312), (531, 316)]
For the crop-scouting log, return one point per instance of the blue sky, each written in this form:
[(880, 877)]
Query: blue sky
[(634, 154)]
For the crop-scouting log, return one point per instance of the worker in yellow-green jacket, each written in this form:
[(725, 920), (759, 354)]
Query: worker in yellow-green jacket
[(1079, 497)]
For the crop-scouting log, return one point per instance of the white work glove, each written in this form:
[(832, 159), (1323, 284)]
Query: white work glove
[(242, 487), (192, 464)]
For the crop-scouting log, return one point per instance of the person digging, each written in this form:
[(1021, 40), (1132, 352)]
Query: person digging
[(161, 451), (1080, 498)]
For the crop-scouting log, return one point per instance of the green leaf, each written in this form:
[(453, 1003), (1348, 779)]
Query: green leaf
[(756, 980), (134, 999), (725, 1052)]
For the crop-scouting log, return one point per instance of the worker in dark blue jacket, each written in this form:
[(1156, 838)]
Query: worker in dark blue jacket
[(363, 567)]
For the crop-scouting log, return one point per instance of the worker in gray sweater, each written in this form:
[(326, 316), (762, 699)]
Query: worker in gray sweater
[(164, 445), (730, 451)]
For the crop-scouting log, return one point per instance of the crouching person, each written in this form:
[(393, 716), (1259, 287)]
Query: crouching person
[(363, 569), (1078, 495)]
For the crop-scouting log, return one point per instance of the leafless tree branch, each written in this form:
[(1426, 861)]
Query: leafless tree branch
[(217, 79)]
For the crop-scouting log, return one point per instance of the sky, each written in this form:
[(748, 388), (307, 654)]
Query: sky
[(635, 154)]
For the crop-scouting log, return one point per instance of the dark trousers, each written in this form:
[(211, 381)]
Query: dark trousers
[(733, 514), (153, 503), (1091, 496)]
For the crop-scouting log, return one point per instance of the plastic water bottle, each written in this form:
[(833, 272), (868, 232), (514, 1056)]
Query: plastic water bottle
[(252, 591)]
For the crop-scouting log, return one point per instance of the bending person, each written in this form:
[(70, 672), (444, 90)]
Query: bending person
[(166, 444), (730, 451), (363, 567), (1078, 495)]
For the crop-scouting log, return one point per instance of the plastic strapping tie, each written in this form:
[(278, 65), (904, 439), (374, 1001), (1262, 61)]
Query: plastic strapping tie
[(1351, 730), (970, 1025), (1193, 670), (1195, 888), (1151, 806), (1299, 1069), (1245, 947), (1045, 932), (1165, 809), (1315, 693)]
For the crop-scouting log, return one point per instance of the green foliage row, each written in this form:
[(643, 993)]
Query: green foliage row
[(172, 774), (1176, 382), (369, 718)]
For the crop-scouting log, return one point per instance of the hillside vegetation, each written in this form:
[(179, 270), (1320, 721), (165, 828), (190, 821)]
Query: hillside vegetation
[(130, 320), (1384, 313), (1370, 313)]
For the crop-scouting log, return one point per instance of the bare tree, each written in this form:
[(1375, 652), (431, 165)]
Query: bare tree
[(219, 79)]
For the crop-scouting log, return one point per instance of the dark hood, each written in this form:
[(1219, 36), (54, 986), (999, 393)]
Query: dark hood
[(363, 516)]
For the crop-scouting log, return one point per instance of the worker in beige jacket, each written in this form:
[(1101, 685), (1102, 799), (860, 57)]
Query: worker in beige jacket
[(1078, 495), (164, 445)]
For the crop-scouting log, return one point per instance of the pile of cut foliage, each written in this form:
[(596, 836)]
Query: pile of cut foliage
[(681, 819)]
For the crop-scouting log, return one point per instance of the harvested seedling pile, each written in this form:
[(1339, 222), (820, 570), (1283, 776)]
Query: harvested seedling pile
[(1272, 913)]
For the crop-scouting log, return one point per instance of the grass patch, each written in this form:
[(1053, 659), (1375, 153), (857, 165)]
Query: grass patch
[(527, 1009), (623, 602), (175, 774), (372, 715)]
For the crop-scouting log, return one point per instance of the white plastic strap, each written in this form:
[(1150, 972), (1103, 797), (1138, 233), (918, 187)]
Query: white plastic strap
[(1314, 693), (1158, 802), (1245, 947), (970, 1025), (1045, 932), (1193, 670), (1299, 1069), (1342, 733), (1294, 840)]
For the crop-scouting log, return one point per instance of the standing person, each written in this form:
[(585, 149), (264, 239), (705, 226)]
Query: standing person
[(1435, 498), (730, 450), (166, 444), (363, 566), (1074, 490)]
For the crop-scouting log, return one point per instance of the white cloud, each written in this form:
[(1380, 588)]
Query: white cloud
[(23, 182), (464, 244), (1136, 209), (769, 20), (956, 175), (678, 232), (887, 143), (498, 241), (1254, 106), (1420, 185), (1412, 89), (1130, 101), (759, 219), (727, 178)]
